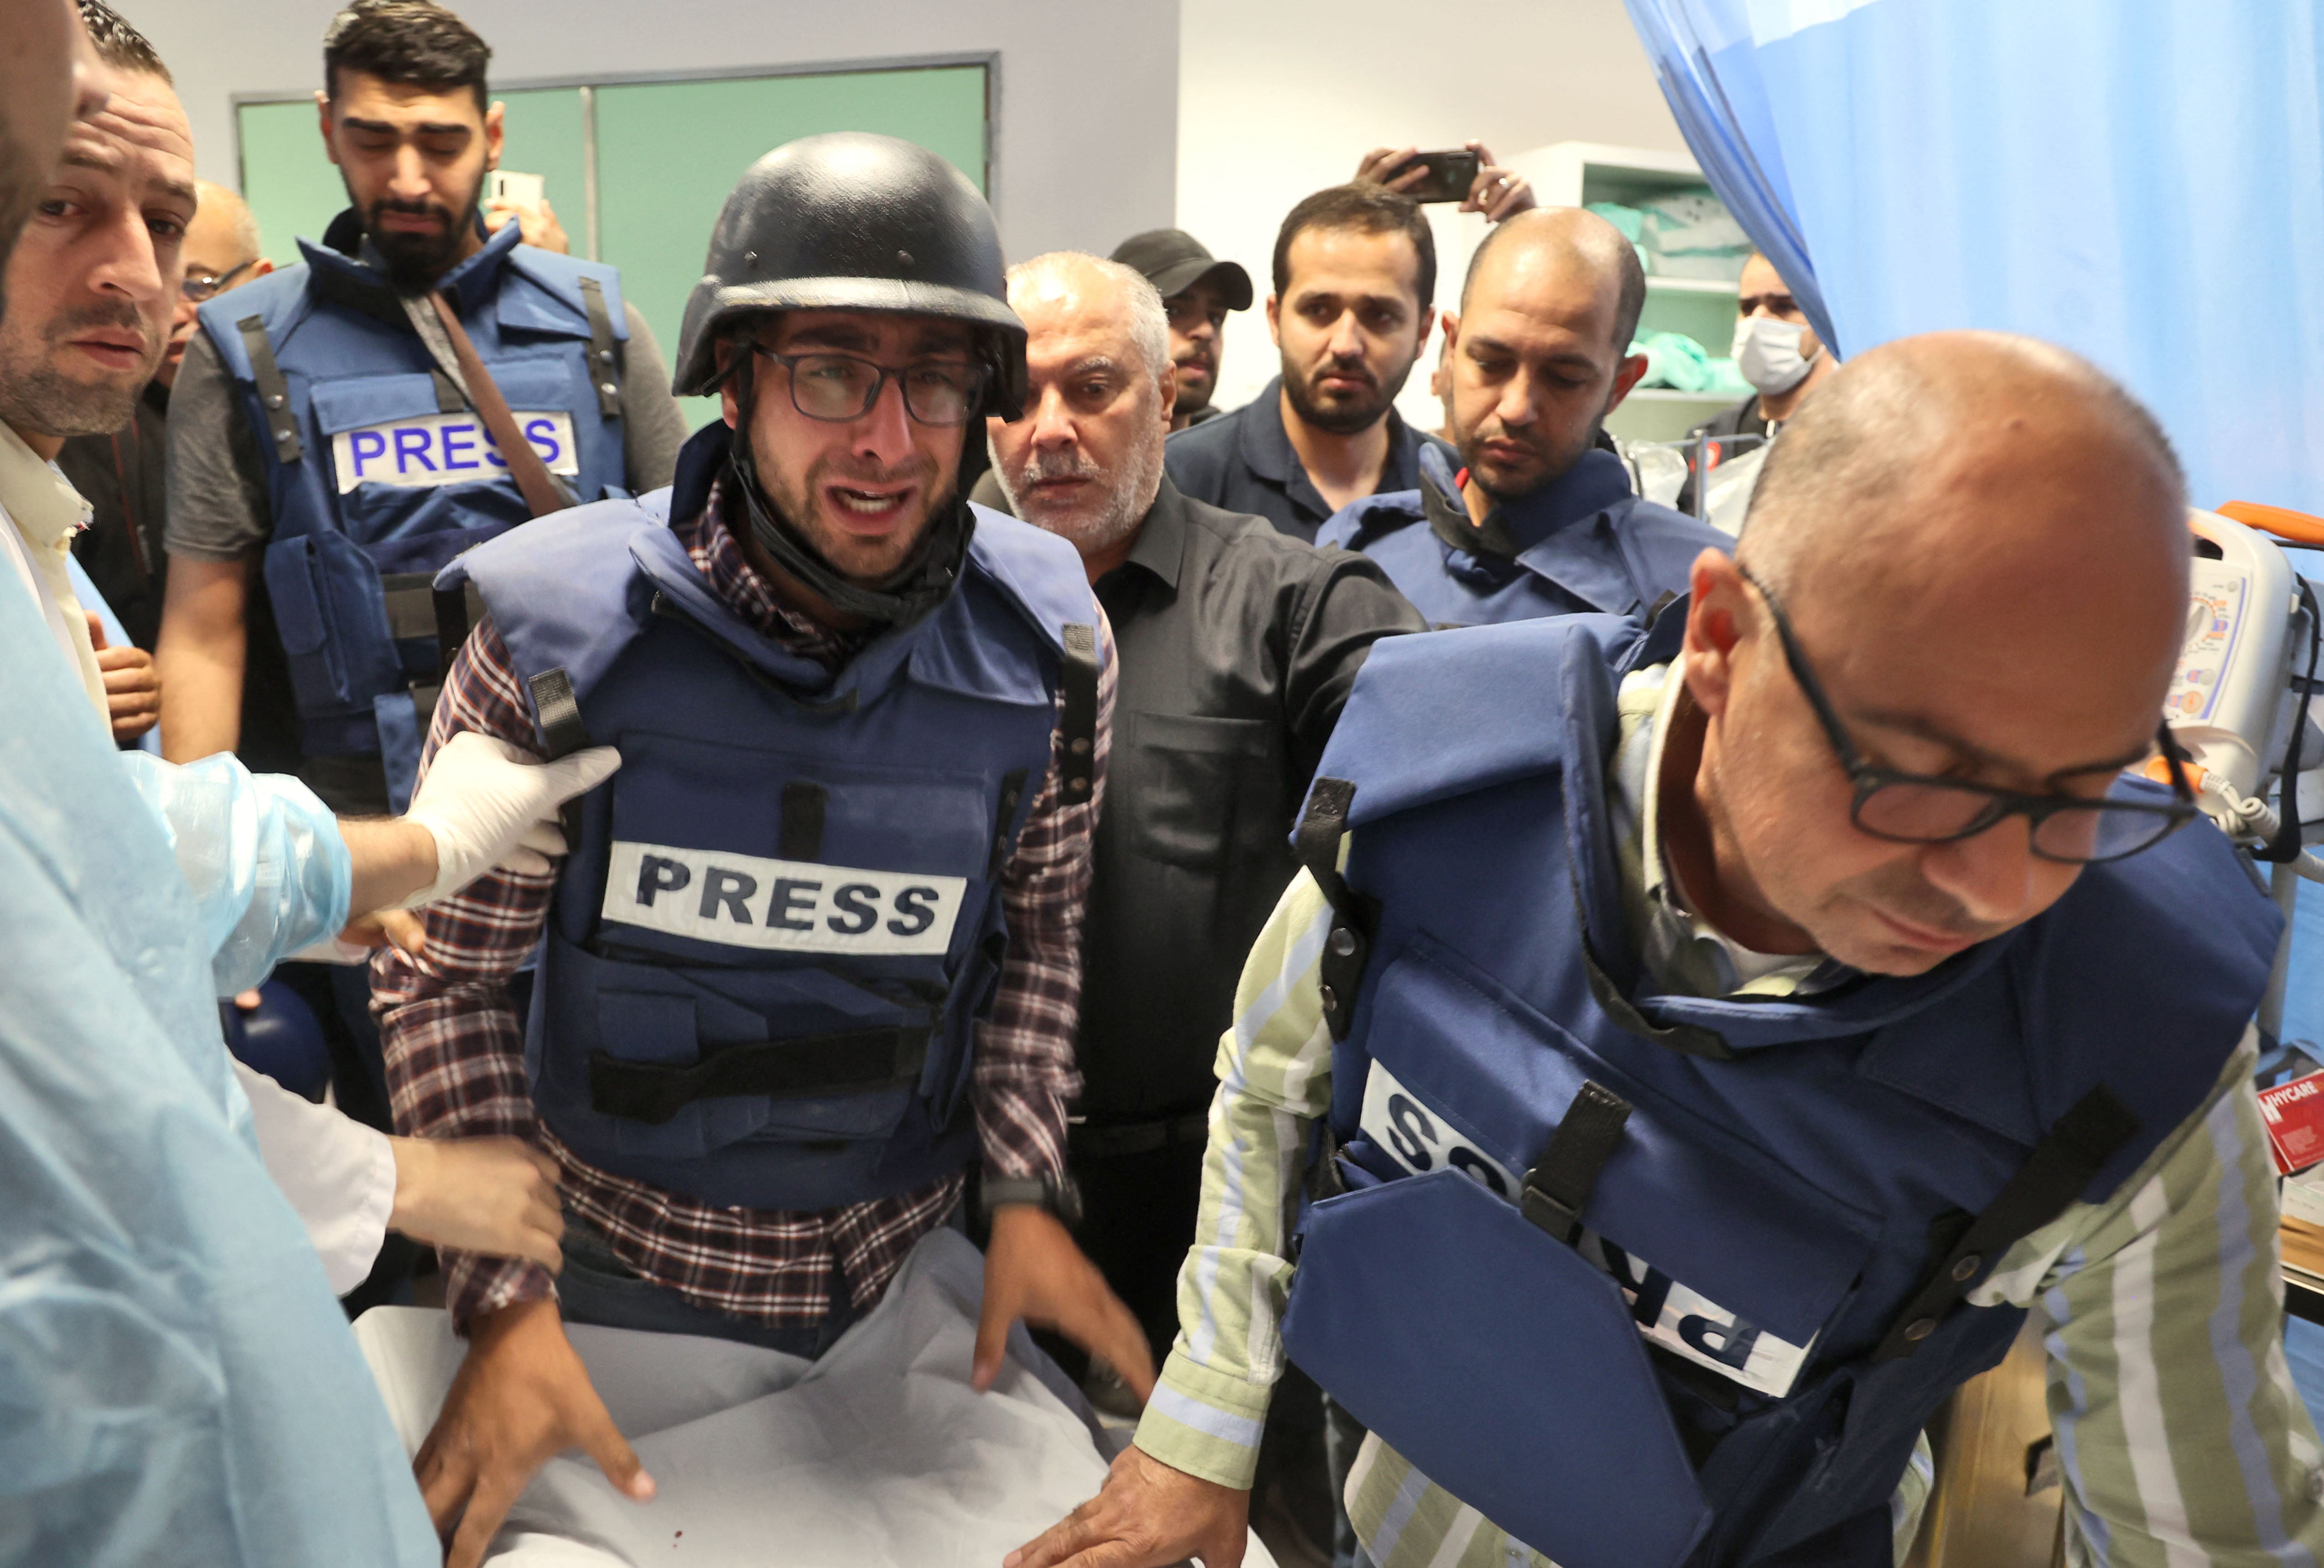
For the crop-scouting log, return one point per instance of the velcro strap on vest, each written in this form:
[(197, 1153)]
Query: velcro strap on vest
[(274, 392), (804, 805), (1558, 1187), (448, 400), (1004, 817), (2066, 1161), (605, 363), (1076, 775), (850, 1061), (562, 734), (415, 610), (1316, 844)]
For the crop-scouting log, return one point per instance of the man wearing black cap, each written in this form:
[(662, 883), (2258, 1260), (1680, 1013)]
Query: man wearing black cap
[(1197, 292)]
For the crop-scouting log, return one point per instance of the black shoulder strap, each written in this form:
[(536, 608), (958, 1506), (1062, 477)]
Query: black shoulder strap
[(562, 734), (1077, 722), (2068, 1158), (1316, 844), (1558, 1186), (605, 363), (274, 392)]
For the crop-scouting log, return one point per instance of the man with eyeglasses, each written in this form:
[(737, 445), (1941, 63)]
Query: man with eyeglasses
[(1714, 1071), (122, 474), (820, 959)]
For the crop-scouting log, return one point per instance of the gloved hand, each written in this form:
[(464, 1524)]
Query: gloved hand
[(488, 803)]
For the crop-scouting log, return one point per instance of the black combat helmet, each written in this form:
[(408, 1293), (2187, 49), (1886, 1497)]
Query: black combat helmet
[(851, 221)]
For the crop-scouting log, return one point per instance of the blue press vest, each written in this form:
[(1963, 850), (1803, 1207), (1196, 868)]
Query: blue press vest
[(1790, 1197), (705, 908), (370, 508), (1585, 543)]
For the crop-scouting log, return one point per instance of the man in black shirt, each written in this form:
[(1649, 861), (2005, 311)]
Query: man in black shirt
[(1197, 292), (1355, 275), (122, 476), (1236, 647)]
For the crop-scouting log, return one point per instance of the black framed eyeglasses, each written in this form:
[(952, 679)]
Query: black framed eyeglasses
[(839, 387), (1918, 808), (199, 288)]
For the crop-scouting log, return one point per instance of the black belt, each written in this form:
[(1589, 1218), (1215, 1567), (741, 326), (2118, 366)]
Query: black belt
[(851, 1061), (1112, 1139)]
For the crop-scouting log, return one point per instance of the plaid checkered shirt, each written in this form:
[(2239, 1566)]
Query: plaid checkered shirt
[(455, 1056)]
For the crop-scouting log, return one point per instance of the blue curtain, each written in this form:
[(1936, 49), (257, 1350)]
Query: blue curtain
[(2141, 180)]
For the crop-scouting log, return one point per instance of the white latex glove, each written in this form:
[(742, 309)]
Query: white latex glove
[(488, 803)]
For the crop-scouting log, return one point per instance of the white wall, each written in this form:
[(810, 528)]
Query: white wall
[(1277, 98), (1088, 89)]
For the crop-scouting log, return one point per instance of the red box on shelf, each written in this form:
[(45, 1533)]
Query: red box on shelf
[(2294, 1115)]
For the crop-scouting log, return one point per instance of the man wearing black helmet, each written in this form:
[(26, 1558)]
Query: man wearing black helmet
[(819, 956)]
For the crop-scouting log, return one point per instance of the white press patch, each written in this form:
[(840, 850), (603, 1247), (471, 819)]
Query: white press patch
[(740, 900), (428, 450), (1682, 1321)]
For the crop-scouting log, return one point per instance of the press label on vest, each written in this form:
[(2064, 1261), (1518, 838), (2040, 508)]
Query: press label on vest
[(739, 901), (1681, 1320), (430, 450)]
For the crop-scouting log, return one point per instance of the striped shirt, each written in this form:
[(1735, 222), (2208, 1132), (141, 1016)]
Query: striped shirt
[(455, 1056), (2182, 1442)]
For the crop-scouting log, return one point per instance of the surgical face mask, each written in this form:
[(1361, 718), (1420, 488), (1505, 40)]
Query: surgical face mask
[(1768, 352)]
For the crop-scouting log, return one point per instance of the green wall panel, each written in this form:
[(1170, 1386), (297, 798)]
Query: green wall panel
[(669, 153), (291, 184)]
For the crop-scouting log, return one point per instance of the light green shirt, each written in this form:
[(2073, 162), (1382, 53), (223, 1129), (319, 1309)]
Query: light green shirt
[(2181, 1440)]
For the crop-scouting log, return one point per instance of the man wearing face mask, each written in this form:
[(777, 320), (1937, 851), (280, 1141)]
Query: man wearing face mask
[(1533, 518), (1780, 354)]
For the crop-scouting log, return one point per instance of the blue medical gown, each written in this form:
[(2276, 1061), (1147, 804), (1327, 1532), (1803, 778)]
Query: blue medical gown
[(269, 872), (177, 1384)]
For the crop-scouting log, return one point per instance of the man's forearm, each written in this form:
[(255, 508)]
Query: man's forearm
[(201, 654), (392, 860)]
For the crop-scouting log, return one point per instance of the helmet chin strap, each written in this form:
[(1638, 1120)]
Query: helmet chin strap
[(909, 596)]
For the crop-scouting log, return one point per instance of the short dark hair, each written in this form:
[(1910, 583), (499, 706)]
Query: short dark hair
[(120, 45), (1372, 208), (410, 42)]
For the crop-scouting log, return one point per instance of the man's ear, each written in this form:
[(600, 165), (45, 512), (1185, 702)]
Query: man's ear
[(260, 267), (1626, 376), (1719, 616), (730, 407), (1169, 385), (496, 133), (1274, 331), (323, 119)]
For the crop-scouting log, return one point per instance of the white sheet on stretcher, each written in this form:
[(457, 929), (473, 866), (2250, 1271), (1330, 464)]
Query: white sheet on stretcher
[(880, 1455)]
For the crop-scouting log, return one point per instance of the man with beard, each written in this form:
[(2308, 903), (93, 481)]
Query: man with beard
[(1538, 519), (323, 434), (1355, 275), (1238, 647), (1197, 292), (90, 291), (819, 959), (123, 473)]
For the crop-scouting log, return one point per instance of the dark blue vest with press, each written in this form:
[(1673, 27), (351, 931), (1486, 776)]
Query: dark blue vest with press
[(1654, 1280), (378, 473), (1581, 543), (781, 920)]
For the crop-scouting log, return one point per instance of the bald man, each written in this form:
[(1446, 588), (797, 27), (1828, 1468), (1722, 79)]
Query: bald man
[(1716, 1071), (1538, 519), (123, 473)]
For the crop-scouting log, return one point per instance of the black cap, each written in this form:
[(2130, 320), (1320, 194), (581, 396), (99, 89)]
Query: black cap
[(1175, 261)]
